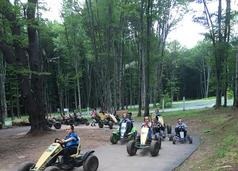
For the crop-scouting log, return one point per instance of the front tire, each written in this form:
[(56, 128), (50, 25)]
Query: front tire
[(52, 168), (25, 166), (57, 125), (154, 148), (131, 148), (113, 139), (91, 163)]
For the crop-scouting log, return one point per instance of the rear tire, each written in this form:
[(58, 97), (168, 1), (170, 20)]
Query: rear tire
[(26, 166), (154, 148), (174, 140), (57, 125), (110, 124), (52, 168), (100, 124), (131, 148), (91, 163), (190, 140), (169, 129), (113, 139)]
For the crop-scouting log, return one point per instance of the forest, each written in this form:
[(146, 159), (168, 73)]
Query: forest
[(111, 54)]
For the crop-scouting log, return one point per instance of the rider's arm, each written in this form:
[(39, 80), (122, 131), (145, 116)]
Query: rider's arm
[(71, 138)]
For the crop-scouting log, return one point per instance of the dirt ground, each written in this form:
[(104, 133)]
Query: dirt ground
[(16, 147)]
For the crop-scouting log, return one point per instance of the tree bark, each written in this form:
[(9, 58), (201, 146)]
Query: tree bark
[(35, 106)]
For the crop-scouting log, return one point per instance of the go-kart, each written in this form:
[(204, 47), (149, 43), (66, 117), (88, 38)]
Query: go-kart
[(159, 127), (53, 122), (144, 142), (106, 119), (181, 136), (51, 160), (74, 120), (125, 132)]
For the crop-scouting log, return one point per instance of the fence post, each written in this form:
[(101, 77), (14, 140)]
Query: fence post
[(183, 103), (163, 105)]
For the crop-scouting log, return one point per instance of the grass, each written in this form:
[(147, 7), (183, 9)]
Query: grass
[(218, 130)]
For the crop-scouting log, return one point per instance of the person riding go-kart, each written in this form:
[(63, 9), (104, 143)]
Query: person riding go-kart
[(125, 132), (181, 133), (145, 140), (63, 155)]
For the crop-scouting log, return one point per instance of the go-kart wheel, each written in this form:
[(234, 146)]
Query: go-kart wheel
[(26, 166), (57, 125), (131, 148), (171, 138), (87, 123), (50, 125), (52, 168), (100, 124), (190, 140), (91, 163), (174, 140), (154, 148), (110, 124), (160, 142), (169, 129), (113, 139)]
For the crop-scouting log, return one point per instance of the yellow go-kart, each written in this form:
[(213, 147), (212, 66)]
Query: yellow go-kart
[(51, 160), (106, 119)]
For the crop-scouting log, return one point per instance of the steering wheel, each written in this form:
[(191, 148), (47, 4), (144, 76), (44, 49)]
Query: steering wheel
[(57, 140)]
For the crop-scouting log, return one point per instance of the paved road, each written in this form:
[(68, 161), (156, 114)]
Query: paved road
[(115, 157)]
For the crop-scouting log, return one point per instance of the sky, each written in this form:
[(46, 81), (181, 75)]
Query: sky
[(186, 32)]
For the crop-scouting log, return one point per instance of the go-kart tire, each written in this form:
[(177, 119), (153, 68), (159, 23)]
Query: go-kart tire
[(113, 139), (110, 124), (154, 148), (26, 166), (52, 168), (190, 140), (160, 142), (171, 138), (50, 125), (87, 123), (131, 148), (100, 124), (169, 129), (57, 125), (174, 140), (91, 163)]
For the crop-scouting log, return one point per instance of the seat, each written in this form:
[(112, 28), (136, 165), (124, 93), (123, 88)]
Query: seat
[(78, 151)]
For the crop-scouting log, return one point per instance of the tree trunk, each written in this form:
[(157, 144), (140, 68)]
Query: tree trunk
[(3, 102), (147, 58), (35, 106), (235, 104)]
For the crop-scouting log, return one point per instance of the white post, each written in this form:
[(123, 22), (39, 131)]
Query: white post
[(163, 105), (88, 110), (183, 103)]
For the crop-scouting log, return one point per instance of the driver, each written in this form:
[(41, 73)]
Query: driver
[(129, 124), (148, 124), (181, 126), (71, 142)]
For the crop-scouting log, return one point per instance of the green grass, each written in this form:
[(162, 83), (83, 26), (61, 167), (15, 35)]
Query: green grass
[(219, 132)]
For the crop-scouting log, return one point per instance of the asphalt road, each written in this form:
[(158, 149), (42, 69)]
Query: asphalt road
[(115, 157)]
